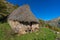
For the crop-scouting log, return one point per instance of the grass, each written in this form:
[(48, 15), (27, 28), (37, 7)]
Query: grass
[(42, 34)]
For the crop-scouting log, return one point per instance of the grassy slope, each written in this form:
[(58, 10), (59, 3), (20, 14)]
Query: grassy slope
[(42, 34)]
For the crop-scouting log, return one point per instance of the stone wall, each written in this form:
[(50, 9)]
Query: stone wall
[(35, 27), (17, 27)]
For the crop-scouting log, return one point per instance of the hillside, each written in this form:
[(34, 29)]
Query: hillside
[(51, 24), (6, 8), (42, 34), (54, 22)]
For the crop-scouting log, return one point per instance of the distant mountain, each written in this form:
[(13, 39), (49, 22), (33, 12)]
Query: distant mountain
[(54, 22)]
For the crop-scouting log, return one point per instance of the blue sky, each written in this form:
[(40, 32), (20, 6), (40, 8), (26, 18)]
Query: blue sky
[(42, 9)]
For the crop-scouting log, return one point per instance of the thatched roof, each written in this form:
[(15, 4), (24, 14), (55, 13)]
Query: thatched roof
[(23, 13)]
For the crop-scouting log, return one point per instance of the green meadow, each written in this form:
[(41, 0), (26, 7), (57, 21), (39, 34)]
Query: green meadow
[(42, 34)]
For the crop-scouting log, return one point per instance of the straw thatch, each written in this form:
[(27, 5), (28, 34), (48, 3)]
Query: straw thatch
[(23, 13)]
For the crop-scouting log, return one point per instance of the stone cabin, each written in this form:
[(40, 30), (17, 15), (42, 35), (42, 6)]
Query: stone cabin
[(23, 21)]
